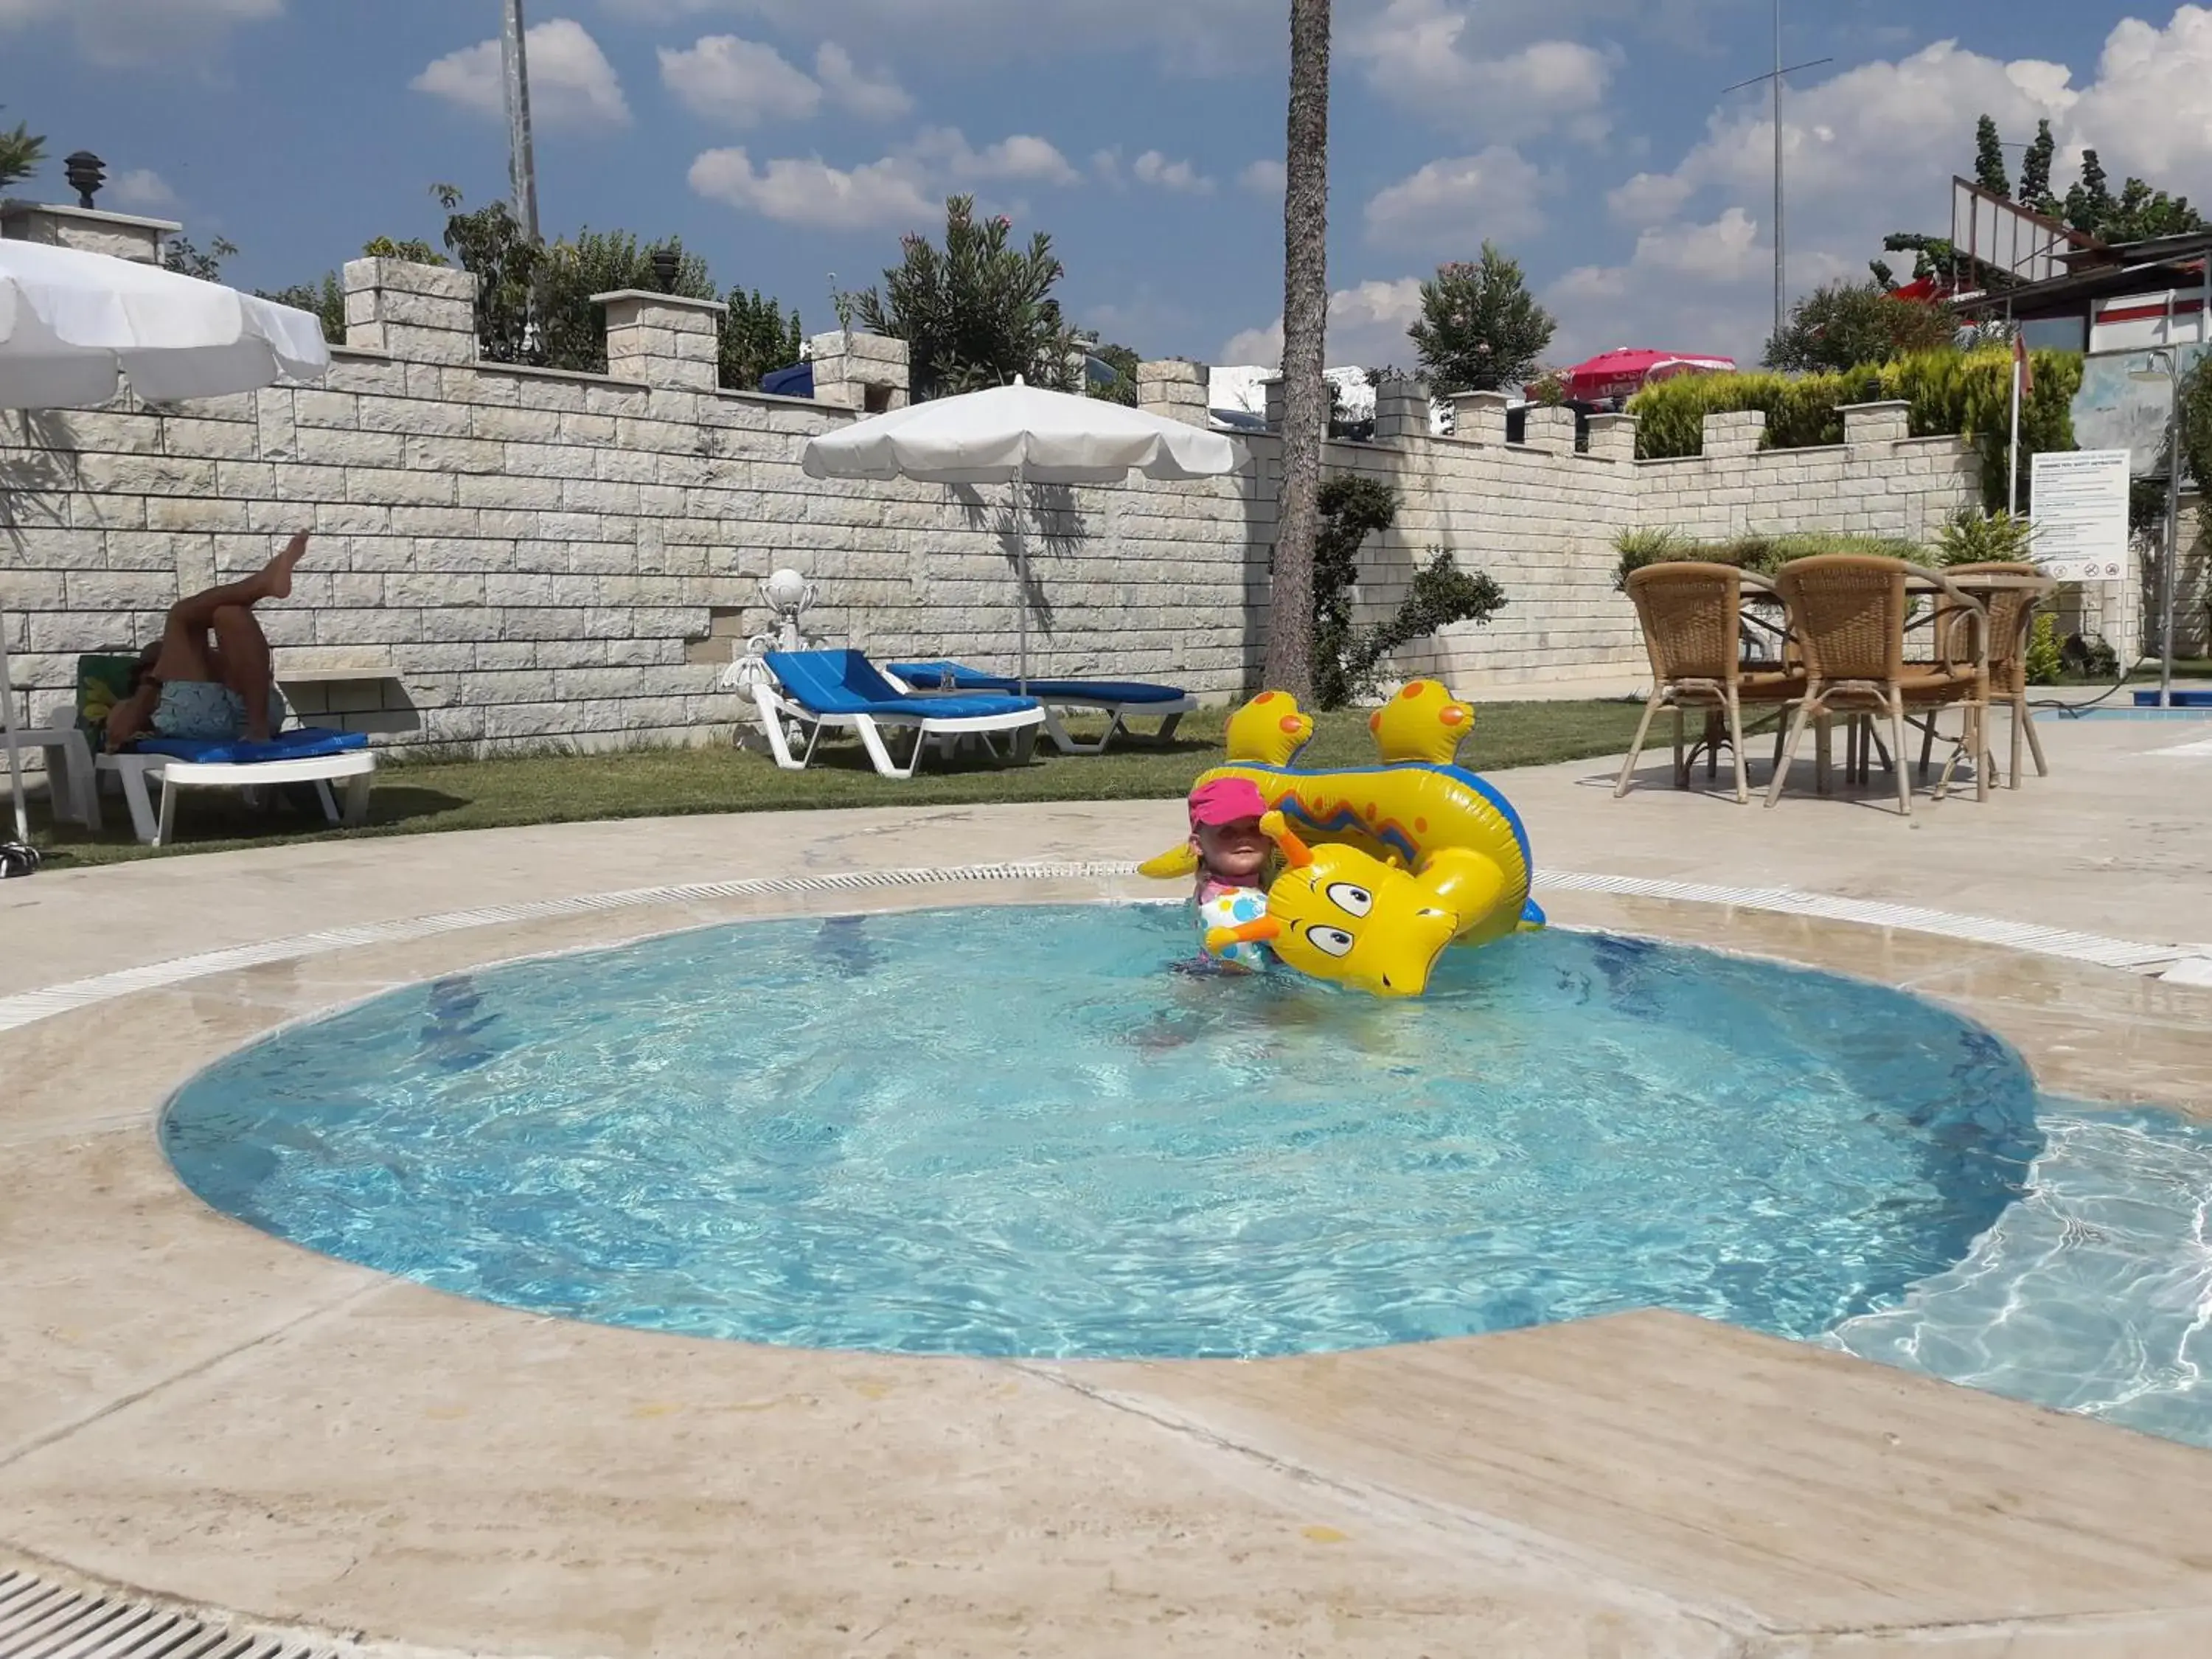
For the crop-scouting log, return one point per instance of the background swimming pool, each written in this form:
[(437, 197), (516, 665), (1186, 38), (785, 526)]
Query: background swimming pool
[(1017, 1131)]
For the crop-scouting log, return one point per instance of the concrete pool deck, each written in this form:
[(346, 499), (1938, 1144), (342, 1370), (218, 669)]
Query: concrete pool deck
[(201, 1413)]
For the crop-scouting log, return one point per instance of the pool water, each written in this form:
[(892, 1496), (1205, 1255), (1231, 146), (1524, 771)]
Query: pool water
[(1024, 1131), (2092, 1294)]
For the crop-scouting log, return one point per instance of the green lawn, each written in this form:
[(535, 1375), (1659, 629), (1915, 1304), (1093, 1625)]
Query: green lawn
[(414, 797)]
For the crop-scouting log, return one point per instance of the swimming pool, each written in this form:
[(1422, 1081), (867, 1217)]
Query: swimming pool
[(1019, 1132)]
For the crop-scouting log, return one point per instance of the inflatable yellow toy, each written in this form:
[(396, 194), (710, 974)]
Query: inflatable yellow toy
[(1385, 865)]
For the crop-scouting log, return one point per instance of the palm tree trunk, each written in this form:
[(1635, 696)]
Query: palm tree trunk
[(1305, 327)]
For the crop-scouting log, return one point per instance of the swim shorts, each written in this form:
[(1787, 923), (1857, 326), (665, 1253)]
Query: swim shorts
[(201, 711)]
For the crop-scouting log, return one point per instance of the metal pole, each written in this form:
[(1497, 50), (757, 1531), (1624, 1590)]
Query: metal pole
[(2012, 480), (1021, 571), (8, 724), (1778, 284), (2173, 526), (521, 158)]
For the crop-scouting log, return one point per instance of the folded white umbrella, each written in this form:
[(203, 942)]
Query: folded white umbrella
[(74, 326), (1019, 434)]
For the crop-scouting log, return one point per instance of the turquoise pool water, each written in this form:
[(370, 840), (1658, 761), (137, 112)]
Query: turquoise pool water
[(1020, 1131)]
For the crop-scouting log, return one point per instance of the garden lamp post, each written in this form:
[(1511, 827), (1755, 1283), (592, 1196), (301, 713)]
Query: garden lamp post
[(2171, 375)]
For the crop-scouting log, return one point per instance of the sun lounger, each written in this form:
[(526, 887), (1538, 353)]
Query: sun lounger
[(823, 690), (1121, 701), (304, 754)]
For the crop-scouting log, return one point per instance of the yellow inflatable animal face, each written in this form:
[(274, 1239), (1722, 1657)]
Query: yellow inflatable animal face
[(1269, 731), (1423, 722), (1338, 915)]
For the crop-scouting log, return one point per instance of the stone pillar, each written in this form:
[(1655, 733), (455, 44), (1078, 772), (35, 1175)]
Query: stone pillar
[(1876, 424), (663, 339), (1549, 428), (865, 373), (1177, 390), (417, 314), (1278, 405), (1479, 417), (88, 230), (1737, 432), (1613, 437), (1401, 411)]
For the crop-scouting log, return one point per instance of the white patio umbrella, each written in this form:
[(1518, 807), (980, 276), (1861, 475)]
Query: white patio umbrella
[(1019, 434), (74, 326)]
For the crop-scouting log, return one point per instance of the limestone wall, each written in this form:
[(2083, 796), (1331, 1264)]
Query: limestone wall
[(506, 555)]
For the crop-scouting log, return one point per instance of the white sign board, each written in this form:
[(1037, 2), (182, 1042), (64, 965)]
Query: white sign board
[(2081, 514)]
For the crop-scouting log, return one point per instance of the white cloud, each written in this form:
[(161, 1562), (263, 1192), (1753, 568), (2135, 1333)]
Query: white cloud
[(740, 82), (141, 188), (125, 33), (1155, 169), (946, 152), (1263, 177), (813, 194), (1459, 200), (906, 188), (1367, 326), (874, 98), (1648, 197), (1869, 151), (745, 83), (1726, 250), (2150, 109), (572, 84), (1432, 54), (1213, 37)]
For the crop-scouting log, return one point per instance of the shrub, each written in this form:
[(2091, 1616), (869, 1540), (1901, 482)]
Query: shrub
[(1346, 656), (1842, 324), (1760, 554), (1972, 537), (1639, 548), (2044, 658), (1964, 394)]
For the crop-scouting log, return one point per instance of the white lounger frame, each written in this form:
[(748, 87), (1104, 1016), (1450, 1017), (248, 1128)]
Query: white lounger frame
[(1122, 714), (1118, 715), (356, 767), (775, 707)]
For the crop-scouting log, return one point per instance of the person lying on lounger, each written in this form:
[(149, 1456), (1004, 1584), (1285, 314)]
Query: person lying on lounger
[(208, 678)]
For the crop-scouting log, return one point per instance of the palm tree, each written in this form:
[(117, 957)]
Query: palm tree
[(1305, 328)]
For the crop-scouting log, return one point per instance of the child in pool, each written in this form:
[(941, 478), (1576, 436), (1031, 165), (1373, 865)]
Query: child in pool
[(1232, 859)]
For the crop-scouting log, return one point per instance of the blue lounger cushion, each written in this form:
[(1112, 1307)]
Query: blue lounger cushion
[(965, 679), (847, 682), (301, 743)]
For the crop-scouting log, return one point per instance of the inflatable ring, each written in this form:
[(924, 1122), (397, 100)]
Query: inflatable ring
[(1385, 865)]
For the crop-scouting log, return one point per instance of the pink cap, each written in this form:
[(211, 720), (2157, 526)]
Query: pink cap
[(1226, 800)]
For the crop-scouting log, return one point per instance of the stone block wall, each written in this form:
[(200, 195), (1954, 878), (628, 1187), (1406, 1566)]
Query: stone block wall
[(1878, 482), (505, 555)]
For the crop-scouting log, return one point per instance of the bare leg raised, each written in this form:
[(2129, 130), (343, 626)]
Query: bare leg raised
[(185, 654), (242, 659)]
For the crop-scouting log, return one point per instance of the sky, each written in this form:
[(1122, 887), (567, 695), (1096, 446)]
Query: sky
[(792, 142)]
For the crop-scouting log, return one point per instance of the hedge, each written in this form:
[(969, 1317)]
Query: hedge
[(1762, 554), (1964, 394)]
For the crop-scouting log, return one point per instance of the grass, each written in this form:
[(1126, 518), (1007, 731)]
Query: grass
[(414, 797)]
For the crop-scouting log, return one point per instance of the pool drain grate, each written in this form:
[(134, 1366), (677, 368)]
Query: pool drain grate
[(39, 1620)]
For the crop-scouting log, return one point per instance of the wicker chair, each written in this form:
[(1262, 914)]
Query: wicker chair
[(1692, 619), (1847, 615), (2012, 593)]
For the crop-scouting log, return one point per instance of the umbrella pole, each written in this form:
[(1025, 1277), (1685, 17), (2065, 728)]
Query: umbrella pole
[(8, 726), (1021, 571)]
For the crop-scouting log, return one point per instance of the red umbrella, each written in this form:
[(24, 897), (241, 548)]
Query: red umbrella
[(1625, 370)]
